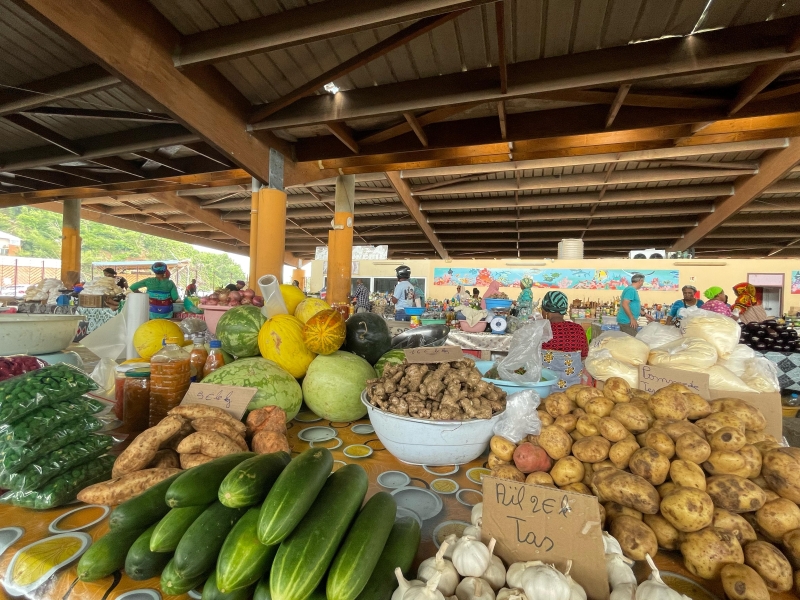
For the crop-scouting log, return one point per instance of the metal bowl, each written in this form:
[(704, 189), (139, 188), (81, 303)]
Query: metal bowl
[(427, 336), (36, 334)]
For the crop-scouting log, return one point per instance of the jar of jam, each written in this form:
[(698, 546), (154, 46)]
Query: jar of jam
[(136, 411), (170, 376), (119, 385)]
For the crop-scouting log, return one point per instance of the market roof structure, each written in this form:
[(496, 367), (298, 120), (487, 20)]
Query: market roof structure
[(474, 127)]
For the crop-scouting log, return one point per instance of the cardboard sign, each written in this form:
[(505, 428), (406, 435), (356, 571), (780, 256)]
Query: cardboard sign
[(230, 398), (533, 522), (440, 354), (652, 379)]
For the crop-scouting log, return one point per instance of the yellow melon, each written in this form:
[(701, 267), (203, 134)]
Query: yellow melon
[(292, 296), (150, 336), (281, 341), (309, 307)]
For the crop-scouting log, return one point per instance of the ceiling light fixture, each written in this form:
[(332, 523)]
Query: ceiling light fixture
[(331, 87)]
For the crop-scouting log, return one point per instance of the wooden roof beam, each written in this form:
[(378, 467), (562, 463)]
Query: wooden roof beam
[(416, 127), (434, 116), (502, 62), (616, 104), (412, 206), (344, 134), (45, 133), (98, 113)]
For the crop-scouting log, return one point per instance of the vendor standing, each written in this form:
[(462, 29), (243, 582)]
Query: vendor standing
[(161, 291), (403, 295), (564, 353), (689, 299), (236, 287), (191, 289), (746, 307), (120, 281), (631, 306)]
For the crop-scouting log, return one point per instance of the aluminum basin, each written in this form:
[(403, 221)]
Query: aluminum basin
[(36, 334)]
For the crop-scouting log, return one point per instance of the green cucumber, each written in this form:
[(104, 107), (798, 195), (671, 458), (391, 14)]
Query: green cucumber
[(171, 528), (293, 494), (249, 481), (304, 556), (199, 547), (399, 551), (243, 559), (143, 510), (262, 589), (107, 554), (141, 562), (174, 584), (361, 549), (199, 485), (212, 592)]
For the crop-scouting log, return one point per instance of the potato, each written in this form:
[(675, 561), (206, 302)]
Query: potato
[(777, 518), (588, 471), (602, 516), (577, 488), (771, 564), (502, 448), (698, 406), (688, 509), (719, 420), (678, 387), (693, 448), (754, 436), (533, 439), (209, 443), (687, 474), (614, 510), (631, 416), (642, 406), (572, 391), (603, 464), (588, 425), (765, 446), (545, 418), (627, 489), (727, 438), (735, 524), (557, 404), (578, 412), (781, 469), (797, 583), (750, 416), (668, 537), (223, 427), (144, 448), (770, 495), (705, 552), (677, 428), (740, 582), (665, 488), (118, 490), (494, 462), (583, 396), (576, 435), (635, 538), (760, 481), (617, 389), (650, 465), (591, 449), (668, 404), (567, 422), (193, 460), (601, 407), (199, 411), (555, 441), (165, 459), (660, 442), (722, 462), (567, 470), (267, 442), (621, 452), (540, 478), (791, 547), (734, 493), (612, 430), (529, 458), (637, 394), (508, 472), (752, 460)]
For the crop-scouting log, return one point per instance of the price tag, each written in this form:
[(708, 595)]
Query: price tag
[(439, 354), (652, 379), (232, 399)]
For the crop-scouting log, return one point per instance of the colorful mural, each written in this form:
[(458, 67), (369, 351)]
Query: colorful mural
[(795, 282), (564, 279)]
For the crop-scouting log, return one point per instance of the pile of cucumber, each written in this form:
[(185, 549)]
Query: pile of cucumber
[(260, 526)]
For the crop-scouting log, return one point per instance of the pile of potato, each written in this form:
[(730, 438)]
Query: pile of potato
[(674, 471)]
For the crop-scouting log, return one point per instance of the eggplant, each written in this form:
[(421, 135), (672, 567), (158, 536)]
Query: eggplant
[(777, 348), (755, 339), (761, 346), (784, 335), (780, 328), (773, 334), (752, 326), (792, 334)]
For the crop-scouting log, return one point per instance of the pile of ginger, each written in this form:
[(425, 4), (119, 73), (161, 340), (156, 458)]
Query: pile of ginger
[(451, 391)]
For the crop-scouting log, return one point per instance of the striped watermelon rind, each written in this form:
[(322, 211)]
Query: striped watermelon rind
[(391, 357), (238, 329)]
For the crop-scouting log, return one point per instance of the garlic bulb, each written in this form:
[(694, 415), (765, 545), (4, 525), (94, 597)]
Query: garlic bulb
[(474, 588), (451, 544), (654, 588), (619, 572), (626, 591), (511, 594), (611, 544), (403, 585), (471, 557), (426, 591), (477, 514), (472, 531), (495, 573), (514, 575), (576, 591), (545, 582), (438, 564)]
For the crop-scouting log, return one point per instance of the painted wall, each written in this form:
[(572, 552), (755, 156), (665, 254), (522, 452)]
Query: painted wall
[(700, 273)]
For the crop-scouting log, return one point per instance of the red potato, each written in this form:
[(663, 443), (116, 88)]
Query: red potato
[(529, 458)]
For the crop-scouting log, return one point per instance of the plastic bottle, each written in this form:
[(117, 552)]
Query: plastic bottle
[(215, 358), (170, 376), (198, 357)]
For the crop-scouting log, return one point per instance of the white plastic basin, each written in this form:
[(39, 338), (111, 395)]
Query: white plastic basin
[(425, 442), (36, 334)]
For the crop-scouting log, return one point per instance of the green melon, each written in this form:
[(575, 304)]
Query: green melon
[(333, 384), (238, 330), (391, 357), (275, 386)]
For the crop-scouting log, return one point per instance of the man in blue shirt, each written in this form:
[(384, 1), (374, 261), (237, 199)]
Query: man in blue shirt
[(631, 306), (689, 292), (403, 296)]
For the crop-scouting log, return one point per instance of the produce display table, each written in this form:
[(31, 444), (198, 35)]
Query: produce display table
[(489, 342), (95, 317), (455, 506), (788, 364)]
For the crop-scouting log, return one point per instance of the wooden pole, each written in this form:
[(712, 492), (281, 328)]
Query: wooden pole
[(71, 237), (340, 241), (253, 280)]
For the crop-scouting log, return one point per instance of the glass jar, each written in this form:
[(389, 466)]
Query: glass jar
[(170, 376), (119, 385), (198, 357), (215, 358), (136, 414)]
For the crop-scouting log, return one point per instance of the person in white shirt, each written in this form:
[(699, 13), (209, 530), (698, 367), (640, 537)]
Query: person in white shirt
[(403, 295)]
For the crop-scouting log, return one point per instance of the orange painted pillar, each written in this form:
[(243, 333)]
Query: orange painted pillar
[(271, 242), (253, 278), (71, 237), (299, 275), (340, 241)]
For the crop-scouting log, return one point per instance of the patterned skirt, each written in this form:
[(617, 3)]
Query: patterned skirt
[(566, 365)]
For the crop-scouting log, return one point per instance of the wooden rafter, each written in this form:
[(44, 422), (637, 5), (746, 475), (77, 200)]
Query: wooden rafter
[(211, 217), (412, 206), (434, 116), (416, 127), (123, 166), (44, 133), (160, 159), (622, 92), (501, 117), (344, 134), (502, 63), (98, 113)]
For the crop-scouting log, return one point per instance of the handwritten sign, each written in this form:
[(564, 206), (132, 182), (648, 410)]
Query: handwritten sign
[(439, 354), (652, 379), (532, 522), (230, 398)]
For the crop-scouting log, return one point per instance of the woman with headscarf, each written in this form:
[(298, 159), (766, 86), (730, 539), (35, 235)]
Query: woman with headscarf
[(160, 289), (689, 292), (717, 301), (746, 307), (564, 353)]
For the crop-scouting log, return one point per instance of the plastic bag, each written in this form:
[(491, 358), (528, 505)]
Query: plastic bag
[(601, 365), (656, 335), (520, 417), (193, 325), (40, 422), (64, 488), (523, 364), (721, 379), (723, 332), (761, 374), (104, 376), (11, 366), (737, 360), (684, 351), (22, 395), (623, 347), (38, 473)]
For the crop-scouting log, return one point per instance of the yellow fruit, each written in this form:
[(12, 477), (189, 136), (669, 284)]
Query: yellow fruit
[(281, 341), (149, 337), (292, 296), (309, 307)]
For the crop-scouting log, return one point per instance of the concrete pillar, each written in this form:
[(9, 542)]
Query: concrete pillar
[(71, 238), (268, 224), (340, 241), (299, 275)]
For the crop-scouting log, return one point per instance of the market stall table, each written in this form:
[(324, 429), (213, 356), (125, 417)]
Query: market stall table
[(788, 364), (488, 343), (95, 317)]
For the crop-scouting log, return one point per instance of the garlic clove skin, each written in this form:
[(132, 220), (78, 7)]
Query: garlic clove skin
[(576, 591), (514, 574), (474, 588), (472, 531), (545, 582), (654, 588), (403, 585), (448, 576), (495, 573), (477, 514), (451, 541), (471, 557), (619, 572), (511, 594), (426, 591), (625, 591), (611, 544)]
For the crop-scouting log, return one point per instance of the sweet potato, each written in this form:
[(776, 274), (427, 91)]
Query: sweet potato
[(165, 459), (266, 418), (118, 490), (192, 460), (529, 458), (266, 442), (209, 443), (143, 449), (198, 411), (222, 427)]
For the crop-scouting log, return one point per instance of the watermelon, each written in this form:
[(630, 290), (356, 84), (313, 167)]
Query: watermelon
[(394, 357), (238, 330), (333, 384), (275, 386)]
